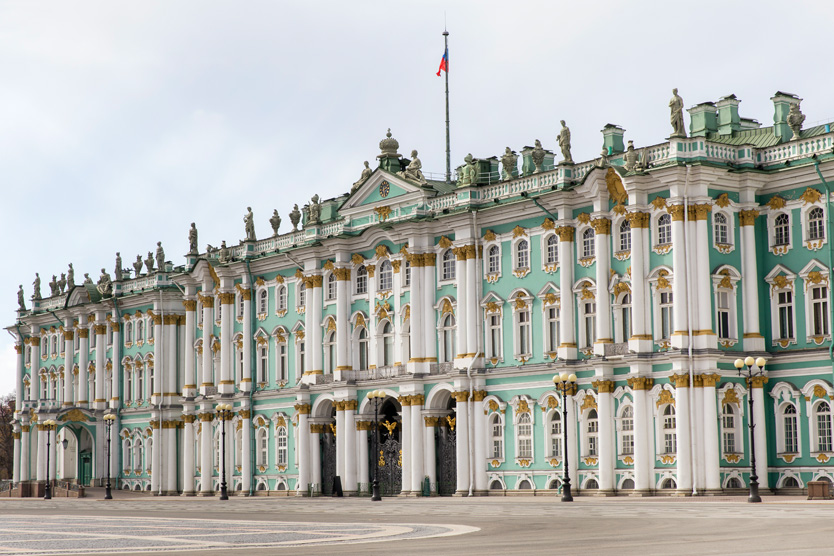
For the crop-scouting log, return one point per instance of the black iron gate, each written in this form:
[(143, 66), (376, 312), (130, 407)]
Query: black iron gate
[(446, 450), (327, 441), (390, 467)]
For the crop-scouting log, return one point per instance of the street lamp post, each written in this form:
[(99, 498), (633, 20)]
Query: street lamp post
[(376, 396), (224, 411), (750, 368), (108, 422), (49, 426), (564, 383)]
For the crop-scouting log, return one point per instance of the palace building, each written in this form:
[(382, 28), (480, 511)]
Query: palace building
[(646, 272)]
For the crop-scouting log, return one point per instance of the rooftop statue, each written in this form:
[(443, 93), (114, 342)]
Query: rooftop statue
[(295, 217), (70, 277), (631, 159), (160, 257), (223, 253), (538, 156), (149, 262), (603, 159), (53, 286), (21, 302), (314, 210), (105, 284), (192, 240), (795, 120), (275, 222), (62, 283), (37, 285), (118, 272), (87, 279), (564, 142), (414, 170), (468, 173), (676, 117), (366, 173), (249, 223), (508, 160), (137, 266)]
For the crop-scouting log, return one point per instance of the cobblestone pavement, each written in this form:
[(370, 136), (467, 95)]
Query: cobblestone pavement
[(434, 526)]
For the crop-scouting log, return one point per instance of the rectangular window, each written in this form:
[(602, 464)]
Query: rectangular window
[(590, 310), (263, 364), (524, 333), (819, 311), (670, 443), (724, 315), (553, 328), (592, 445), (791, 443), (497, 441), (666, 315), (824, 432), (494, 332), (785, 312)]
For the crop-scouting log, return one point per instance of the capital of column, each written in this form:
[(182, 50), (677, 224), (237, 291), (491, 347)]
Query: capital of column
[(603, 386), (680, 381), (189, 304), (302, 408), (461, 396), (431, 421), (565, 233), (676, 211), (479, 395), (710, 380), (748, 217), (207, 301), (758, 381), (640, 383), (638, 219), (602, 226)]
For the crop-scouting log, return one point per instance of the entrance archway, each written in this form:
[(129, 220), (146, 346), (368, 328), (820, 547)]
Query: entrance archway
[(85, 457)]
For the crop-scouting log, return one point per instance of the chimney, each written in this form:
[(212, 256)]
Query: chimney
[(702, 119), (728, 118), (781, 106), (612, 139)]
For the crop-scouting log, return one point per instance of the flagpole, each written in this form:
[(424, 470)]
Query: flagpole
[(448, 148)]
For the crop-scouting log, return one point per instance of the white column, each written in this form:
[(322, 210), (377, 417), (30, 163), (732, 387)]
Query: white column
[(341, 437), (397, 320), (246, 463), (208, 326), (679, 335), (20, 366), (607, 446), (343, 320), (189, 388), (315, 456), (480, 431), (83, 361), (116, 386), (362, 438), (170, 461), (171, 370), (462, 322), (160, 352), (227, 383), (303, 446), (100, 329), (602, 246), (349, 432), (462, 440), (69, 335), (246, 379), (760, 431), (415, 458), (429, 291), (641, 337), (416, 340), (567, 331), (701, 274), (429, 459), (206, 454), (405, 443), (34, 372), (156, 471), (188, 455), (753, 340), (16, 455), (643, 434), (371, 323), (683, 431), (314, 306), (699, 478), (25, 437), (40, 470), (573, 439), (712, 455), (473, 344)]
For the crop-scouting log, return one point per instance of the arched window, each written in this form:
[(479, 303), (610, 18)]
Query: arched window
[(151, 329), (720, 228), (588, 248), (302, 293), (627, 484), (447, 338), (363, 348), (722, 301), (140, 331), (361, 280), (822, 415), (497, 435), (790, 482), (493, 259), (625, 235), (670, 436), (627, 430), (733, 482), (552, 248), (524, 436), (625, 317), (54, 345), (386, 276), (522, 254), (669, 484), (93, 339), (281, 298), (816, 224), (447, 269), (140, 384), (782, 230), (784, 307), (263, 301), (281, 445), (138, 454), (387, 344), (263, 446), (330, 351), (789, 422), (664, 230), (554, 435), (331, 286), (728, 426), (592, 432)]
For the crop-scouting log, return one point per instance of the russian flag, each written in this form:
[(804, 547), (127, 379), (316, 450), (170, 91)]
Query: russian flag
[(444, 63)]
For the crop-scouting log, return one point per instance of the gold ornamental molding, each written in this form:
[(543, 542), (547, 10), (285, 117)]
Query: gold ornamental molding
[(640, 383), (603, 386), (680, 381), (748, 217), (383, 212), (565, 233), (602, 226)]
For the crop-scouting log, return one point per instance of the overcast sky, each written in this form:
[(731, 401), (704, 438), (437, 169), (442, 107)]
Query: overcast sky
[(123, 122)]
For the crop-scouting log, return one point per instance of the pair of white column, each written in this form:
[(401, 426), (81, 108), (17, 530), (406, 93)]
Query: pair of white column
[(602, 237), (567, 348), (641, 328)]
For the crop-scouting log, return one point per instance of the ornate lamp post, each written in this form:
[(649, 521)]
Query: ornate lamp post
[(564, 383), (376, 397), (49, 426), (224, 411), (749, 368), (108, 422)]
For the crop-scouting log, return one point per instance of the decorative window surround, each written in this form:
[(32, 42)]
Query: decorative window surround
[(662, 233), (551, 301), (492, 306), (782, 307), (550, 252), (521, 302), (787, 397), (732, 395), (524, 423), (817, 302), (660, 281), (723, 231), (725, 301)]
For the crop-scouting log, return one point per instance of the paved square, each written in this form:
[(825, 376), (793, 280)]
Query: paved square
[(540, 525)]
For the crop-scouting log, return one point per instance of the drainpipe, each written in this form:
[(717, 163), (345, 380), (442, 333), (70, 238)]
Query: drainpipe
[(830, 245), (162, 392), (470, 424), (117, 368), (688, 272), (252, 384)]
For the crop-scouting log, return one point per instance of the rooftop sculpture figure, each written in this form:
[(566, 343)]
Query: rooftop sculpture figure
[(105, 284), (295, 217), (468, 173), (314, 210), (275, 222), (795, 120), (192, 240), (676, 116), (149, 262), (414, 170), (160, 257), (249, 223), (564, 142), (366, 173), (21, 302), (62, 283), (631, 158), (137, 266), (37, 285), (508, 160), (87, 279), (118, 273), (53, 286), (223, 253), (538, 156), (70, 277)]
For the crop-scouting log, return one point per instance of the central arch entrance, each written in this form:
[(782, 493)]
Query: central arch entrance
[(446, 452), (388, 456)]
